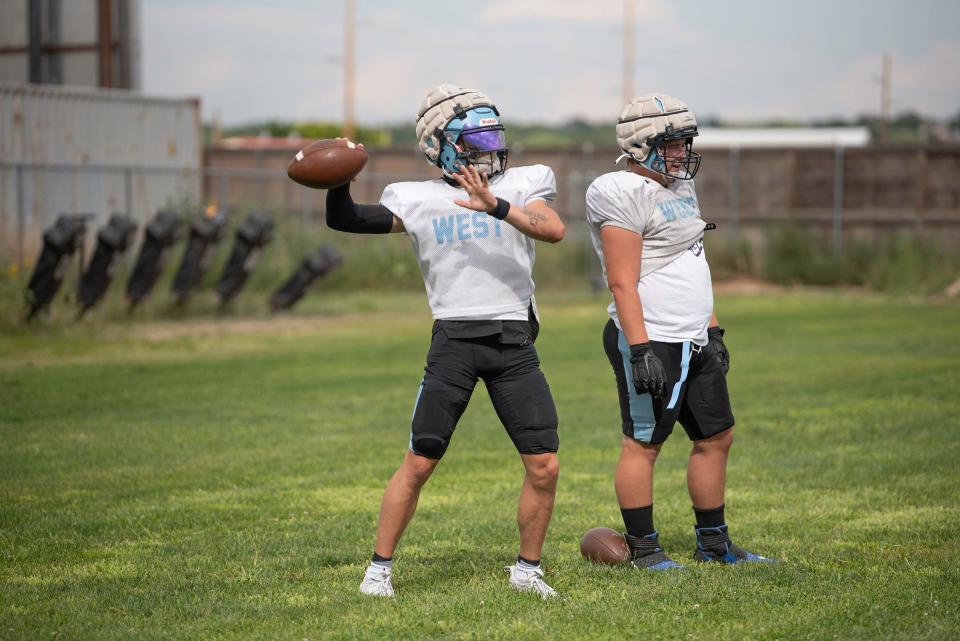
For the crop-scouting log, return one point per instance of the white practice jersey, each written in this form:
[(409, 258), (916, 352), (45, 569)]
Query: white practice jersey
[(675, 286), (474, 266)]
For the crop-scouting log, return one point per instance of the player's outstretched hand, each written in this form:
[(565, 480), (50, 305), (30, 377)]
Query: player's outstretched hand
[(718, 347), (648, 373), (477, 186)]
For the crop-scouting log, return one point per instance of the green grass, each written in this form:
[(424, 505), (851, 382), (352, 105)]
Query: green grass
[(221, 480)]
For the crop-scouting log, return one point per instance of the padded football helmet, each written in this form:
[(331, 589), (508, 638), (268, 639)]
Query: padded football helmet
[(458, 126), (645, 127)]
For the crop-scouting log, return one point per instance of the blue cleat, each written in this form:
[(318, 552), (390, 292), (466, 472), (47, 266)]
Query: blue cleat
[(646, 553), (714, 544)]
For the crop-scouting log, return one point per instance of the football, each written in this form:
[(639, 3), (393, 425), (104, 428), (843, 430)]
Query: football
[(327, 163), (603, 545)]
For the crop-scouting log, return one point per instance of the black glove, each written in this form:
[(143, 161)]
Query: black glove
[(715, 336), (648, 373)]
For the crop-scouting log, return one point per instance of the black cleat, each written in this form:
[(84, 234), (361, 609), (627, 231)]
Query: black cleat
[(714, 544), (646, 553)]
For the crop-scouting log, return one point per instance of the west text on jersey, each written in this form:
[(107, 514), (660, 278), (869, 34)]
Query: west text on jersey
[(464, 226), (678, 208)]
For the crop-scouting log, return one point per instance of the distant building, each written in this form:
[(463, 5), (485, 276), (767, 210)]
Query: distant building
[(781, 137), (260, 143), (93, 43)]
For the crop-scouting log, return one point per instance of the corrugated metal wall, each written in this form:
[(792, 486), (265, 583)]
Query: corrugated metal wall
[(92, 151)]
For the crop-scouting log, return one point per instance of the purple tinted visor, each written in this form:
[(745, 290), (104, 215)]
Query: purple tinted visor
[(484, 139)]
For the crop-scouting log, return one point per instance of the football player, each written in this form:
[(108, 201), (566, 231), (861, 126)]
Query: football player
[(473, 230), (663, 339)]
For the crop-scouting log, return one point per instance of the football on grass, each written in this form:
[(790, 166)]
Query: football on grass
[(603, 545), (325, 164)]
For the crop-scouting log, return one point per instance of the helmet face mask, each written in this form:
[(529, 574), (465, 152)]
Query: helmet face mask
[(481, 142), (656, 132), (672, 166), (459, 127)]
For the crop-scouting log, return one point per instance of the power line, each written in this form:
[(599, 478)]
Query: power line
[(628, 50)]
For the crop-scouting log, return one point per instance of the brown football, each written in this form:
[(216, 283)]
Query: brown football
[(603, 545), (327, 163)]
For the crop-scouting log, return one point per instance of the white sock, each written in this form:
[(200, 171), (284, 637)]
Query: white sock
[(523, 565)]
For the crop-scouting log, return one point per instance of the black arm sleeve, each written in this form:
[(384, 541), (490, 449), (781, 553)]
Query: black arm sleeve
[(344, 215)]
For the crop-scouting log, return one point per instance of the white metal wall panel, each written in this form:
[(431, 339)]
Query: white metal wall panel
[(78, 21), (15, 67), (13, 24), (92, 151), (44, 124), (80, 68)]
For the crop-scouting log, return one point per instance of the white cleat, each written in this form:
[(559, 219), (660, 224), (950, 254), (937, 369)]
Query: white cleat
[(524, 580), (376, 581)]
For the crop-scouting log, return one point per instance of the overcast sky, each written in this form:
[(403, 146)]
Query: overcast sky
[(551, 60)]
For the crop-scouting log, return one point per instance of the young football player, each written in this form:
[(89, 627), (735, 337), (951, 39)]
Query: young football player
[(473, 230), (663, 339)]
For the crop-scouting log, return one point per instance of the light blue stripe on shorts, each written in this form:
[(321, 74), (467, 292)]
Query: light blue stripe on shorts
[(415, 403), (684, 368), (641, 405)]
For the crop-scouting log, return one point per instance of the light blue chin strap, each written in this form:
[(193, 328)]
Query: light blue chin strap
[(648, 163), (652, 158)]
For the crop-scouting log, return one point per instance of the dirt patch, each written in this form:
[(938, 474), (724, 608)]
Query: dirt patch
[(953, 290), (159, 331), (197, 328)]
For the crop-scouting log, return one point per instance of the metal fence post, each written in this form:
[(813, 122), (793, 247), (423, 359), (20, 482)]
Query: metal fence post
[(838, 199), (128, 191), (734, 191), (304, 212), (21, 222), (99, 201), (258, 183), (223, 195)]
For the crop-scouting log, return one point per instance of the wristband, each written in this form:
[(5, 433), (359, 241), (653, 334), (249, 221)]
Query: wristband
[(501, 210)]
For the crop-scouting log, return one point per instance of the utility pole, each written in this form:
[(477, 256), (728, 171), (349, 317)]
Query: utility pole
[(628, 50), (885, 71), (349, 26)]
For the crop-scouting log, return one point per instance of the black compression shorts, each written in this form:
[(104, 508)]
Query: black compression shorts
[(508, 363), (695, 392)]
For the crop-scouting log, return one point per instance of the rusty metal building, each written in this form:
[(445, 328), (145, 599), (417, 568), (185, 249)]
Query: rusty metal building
[(93, 43)]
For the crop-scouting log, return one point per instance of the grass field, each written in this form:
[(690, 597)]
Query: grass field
[(207, 480)]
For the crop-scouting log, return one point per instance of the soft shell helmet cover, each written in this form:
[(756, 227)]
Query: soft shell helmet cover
[(647, 124), (456, 126)]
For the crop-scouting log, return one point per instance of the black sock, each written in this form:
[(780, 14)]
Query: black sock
[(709, 518), (381, 559), (533, 564), (638, 520)]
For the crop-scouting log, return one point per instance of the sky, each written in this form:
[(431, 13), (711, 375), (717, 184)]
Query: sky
[(552, 60)]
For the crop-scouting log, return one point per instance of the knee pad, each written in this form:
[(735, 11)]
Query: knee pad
[(541, 440), (428, 445), (435, 416)]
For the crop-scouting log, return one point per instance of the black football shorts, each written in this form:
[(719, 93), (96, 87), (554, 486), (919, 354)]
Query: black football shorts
[(695, 392), (508, 363)]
